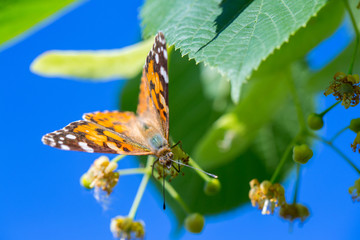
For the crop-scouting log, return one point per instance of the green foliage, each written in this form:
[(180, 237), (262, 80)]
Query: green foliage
[(233, 36), (97, 66), (263, 41), (17, 16)]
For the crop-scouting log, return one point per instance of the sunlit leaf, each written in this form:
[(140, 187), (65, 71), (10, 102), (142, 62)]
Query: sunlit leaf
[(233, 36), (100, 65)]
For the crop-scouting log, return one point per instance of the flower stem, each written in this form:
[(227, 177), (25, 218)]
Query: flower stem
[(282, 160), (338, 134), (329, 108), (131, 171), (357, 34), (297, 183), (141, 188), (296, 98), (338, 151), (174, 194), (118, 158)]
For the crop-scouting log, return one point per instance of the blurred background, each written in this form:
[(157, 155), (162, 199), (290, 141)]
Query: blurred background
[(41, 197)]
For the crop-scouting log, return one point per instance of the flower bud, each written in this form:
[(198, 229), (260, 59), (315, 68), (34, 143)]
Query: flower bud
[(212, 187), (315, 121), (302, 153), (355, 125), (264, 186), (194, 223), (111, 167), (85, 181)]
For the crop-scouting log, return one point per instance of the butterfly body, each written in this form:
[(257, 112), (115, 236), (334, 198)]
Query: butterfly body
[(143, 133)]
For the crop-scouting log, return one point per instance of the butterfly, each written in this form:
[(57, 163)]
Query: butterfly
[(143, 133)]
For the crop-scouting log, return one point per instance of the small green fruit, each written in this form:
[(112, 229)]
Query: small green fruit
[(355, 125), (212, 187), (315, 121), (194, 223), (302, 153)]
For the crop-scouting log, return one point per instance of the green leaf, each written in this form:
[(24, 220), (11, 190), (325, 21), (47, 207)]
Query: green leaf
[(100, 65), (235, 42), (318, 28), (234, 131), (17, 16)]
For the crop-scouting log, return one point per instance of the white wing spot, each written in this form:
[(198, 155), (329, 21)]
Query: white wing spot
[(86, 148), (164, 74), (62, 138), (50, 139), (64, 147), (158, 49), (165, 55), (157, 58), (112, 146), (70, 136), (162, 40), (60, 142)]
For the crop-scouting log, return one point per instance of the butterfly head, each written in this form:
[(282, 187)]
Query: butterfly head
[(166, 157)]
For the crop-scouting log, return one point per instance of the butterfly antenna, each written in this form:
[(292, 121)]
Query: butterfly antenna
[(210, 174), (164, 206)]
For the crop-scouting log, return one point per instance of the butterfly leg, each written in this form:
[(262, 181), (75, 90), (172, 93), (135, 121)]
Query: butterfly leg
[(153, 166), (176, 169), (179, 142)]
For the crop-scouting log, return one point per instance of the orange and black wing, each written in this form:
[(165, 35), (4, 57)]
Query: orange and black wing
[(101, 132), (153, 99)]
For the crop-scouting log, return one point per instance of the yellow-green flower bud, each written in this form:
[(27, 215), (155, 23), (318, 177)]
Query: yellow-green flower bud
[(111, 167), (85, 181), (355, 125), (194, 223), (212, 187), (315, 121), (302, 153)]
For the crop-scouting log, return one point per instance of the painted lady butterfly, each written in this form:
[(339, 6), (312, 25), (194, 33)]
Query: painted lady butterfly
[(143, 133)]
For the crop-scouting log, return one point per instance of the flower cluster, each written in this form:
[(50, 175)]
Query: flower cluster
[(355, 191), (101, 175), (294, 211), (345, 88), (266, 196), (126, 228)]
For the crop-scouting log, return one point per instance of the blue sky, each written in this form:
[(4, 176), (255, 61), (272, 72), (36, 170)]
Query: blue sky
[(40, 194)]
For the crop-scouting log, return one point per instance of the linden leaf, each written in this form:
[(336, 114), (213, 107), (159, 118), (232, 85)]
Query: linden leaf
[(93, 65), (234, 36)]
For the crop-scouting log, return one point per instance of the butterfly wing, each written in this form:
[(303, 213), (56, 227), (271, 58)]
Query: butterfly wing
[(153, 99), (101, 132)]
